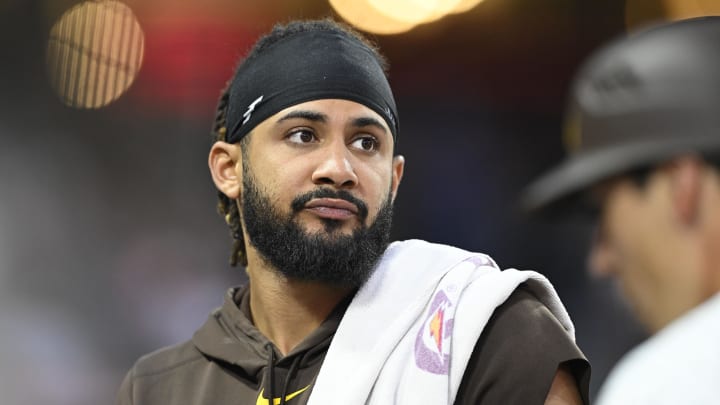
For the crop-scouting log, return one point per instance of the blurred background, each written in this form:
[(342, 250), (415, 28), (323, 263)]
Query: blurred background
[(110, 246)]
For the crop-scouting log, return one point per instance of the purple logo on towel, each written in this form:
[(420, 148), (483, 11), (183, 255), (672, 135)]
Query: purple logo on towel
[(432, 344)]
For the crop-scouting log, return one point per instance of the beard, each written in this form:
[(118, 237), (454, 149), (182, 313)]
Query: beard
[(329, 257)]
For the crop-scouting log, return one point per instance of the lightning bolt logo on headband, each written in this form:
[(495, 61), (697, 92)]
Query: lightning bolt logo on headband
[(306, 66), (250, 109)]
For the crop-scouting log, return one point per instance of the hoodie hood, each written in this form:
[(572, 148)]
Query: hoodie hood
[(229, 336)]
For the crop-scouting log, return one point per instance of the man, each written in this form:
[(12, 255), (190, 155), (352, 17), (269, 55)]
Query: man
[(644, 125), (305, 165)]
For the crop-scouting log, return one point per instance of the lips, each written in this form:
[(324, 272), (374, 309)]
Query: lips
[(332, 208)]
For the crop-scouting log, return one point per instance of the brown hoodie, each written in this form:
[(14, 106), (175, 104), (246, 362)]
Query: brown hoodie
[(228, 361)]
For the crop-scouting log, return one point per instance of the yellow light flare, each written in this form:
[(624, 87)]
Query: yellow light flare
[(94, 53), (465, 5), (683, 9), (362, 15), (640, 13), (414, 11)]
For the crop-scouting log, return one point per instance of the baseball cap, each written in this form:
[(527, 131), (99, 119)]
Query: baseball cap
[(636, 102)]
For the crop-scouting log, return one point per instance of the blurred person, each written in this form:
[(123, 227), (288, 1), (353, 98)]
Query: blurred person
[(644, 126), (305, 163)]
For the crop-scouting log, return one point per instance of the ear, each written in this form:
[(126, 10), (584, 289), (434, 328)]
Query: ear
[(398, 167), (225, 162), (686, 177)]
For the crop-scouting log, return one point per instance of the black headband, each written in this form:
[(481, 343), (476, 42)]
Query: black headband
[(307, 66)]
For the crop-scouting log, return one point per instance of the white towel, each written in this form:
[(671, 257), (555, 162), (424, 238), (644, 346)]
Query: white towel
[(408, 333)]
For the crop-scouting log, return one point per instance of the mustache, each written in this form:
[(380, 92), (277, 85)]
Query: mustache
[(298, 204)]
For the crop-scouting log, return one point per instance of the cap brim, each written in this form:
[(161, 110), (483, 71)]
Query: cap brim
[(559, 192)]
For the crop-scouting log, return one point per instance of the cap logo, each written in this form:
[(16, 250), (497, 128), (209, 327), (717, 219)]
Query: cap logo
[(572, 137)]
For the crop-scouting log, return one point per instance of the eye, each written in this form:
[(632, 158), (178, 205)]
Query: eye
[(301, 136), (366, 143)]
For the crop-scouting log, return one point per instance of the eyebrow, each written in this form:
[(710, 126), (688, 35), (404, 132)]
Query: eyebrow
[(304, 114), (368, 121), (323, 118)]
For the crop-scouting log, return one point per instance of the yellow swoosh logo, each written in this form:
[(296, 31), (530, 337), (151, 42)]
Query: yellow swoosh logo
[(276, 401)]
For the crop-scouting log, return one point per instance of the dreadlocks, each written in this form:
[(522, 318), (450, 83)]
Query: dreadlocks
[(226, 206)]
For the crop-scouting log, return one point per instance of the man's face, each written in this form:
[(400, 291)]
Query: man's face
[(319, 179), (636, 243)]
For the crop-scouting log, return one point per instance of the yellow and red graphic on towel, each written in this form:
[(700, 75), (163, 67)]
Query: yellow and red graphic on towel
[(436, 328), (433, 341), (276, 401)]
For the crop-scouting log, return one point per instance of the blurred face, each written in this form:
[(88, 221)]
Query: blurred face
[(319, 179), (637, 242)]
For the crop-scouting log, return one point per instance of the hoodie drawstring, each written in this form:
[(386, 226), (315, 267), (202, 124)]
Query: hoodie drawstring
[(271, 375), (271, 370), (289, 376)]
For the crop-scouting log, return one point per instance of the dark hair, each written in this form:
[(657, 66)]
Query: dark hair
[(640, 175), (713, 159), (587, 205), (226, 206)]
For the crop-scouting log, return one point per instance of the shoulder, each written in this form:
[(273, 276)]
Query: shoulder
[(652, 364), (523, 326), (524, 317), (169, 375), (421, 251), (166, 360), (518, 354), (153, 368), (690, 341)]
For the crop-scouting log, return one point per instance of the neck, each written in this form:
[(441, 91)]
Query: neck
[(287, 311)]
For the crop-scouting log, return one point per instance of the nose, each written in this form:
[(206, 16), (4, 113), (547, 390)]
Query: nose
[(335, 167), (600, 259)]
